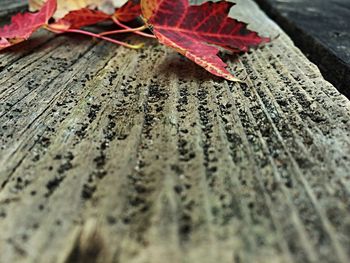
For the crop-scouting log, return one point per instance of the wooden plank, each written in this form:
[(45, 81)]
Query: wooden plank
[(115, 155), (10, 7), (321, 29)]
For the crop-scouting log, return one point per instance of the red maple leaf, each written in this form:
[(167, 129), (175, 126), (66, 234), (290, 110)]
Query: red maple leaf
[(86, 17), (74, 20), (80, 18), (129, 11), (193, 30), (23, 25)]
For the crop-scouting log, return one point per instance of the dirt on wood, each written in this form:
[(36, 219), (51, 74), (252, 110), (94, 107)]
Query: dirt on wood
[(116, 155)]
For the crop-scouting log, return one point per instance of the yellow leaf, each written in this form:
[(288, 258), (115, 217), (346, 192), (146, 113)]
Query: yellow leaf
[(65, 6)]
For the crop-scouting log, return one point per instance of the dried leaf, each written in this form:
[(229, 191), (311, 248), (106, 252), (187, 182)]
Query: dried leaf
[(66, 6)]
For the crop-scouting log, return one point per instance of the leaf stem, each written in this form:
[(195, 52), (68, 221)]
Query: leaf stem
[(123, 31), (87, 33), (128, 29)]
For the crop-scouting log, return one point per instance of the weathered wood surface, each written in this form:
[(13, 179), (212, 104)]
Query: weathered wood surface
[(9, 7), (114, 155), (322, 30)]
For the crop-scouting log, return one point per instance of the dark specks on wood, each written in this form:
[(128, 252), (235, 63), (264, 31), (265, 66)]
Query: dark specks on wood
[(112, 155)]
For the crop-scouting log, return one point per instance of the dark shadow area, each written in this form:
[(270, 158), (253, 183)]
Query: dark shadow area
[(318, 32), (187, 70)]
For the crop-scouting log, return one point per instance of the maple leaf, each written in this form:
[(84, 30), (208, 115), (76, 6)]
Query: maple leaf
[(193, 30), (129, 11), (74, 20), (85, 17), (23, 25), (79, 18)]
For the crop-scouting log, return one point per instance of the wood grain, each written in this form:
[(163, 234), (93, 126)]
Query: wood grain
[(115, 155)]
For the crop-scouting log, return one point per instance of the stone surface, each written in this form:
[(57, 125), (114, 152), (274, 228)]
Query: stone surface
[(114, 155)]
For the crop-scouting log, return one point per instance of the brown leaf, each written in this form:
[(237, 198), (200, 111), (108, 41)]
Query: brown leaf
[(65, 6)]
